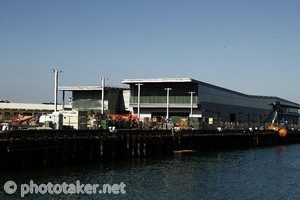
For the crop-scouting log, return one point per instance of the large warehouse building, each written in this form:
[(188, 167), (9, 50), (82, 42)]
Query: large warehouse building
[(163, 99), (185, 97)]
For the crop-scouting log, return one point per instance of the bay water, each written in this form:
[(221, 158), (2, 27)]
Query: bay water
[(258, 173)]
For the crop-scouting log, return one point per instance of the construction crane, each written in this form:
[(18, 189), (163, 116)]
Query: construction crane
[(275, 126)]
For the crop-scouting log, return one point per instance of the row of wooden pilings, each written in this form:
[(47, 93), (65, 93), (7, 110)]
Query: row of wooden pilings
[(23, 149)]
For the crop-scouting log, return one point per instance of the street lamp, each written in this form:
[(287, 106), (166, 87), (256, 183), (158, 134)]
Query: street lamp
[(168, 101), (56, 71), (191, 115), (139, 99), (102, 96)]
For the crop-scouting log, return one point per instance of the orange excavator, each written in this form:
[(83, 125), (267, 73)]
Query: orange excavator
[(22, 119), (126, 117), (275, 126), (124, 120)]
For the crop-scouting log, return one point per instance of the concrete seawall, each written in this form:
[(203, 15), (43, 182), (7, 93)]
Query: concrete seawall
[(43, 148)]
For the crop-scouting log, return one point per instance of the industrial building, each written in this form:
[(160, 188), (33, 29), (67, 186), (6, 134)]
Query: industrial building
[(163, 98), (12, 110), (89, 98), (188, 97)]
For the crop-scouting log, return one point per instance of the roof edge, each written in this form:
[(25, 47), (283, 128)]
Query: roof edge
[(158, 80)]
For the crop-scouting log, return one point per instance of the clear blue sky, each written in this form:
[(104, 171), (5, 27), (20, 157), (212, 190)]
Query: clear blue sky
[(251, 46)]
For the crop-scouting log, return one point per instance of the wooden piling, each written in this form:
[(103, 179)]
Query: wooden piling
[(51, 148)]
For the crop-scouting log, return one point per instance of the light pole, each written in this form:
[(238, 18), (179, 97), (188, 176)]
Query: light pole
[(139, 99), (168, 101), (63, 100), (191, 115), (102, 96), (56, 71)]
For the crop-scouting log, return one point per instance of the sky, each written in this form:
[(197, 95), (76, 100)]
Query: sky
[(250, 46)]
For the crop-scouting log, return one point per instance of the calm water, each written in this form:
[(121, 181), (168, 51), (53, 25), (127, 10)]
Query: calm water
[(262, 173)]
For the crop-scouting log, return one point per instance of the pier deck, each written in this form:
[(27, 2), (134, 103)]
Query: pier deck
[(41, 148)]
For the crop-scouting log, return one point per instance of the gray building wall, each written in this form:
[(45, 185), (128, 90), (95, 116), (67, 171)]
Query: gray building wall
[(231, 106), (209, 101), (92, 100)]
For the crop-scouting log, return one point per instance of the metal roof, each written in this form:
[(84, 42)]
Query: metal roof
[(158, 80), (86, 88), (78, 88), (190, 80), (26, 106)]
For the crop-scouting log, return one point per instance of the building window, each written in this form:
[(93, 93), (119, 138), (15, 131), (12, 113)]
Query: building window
[(16, 114), (7, 115), (232, 117)]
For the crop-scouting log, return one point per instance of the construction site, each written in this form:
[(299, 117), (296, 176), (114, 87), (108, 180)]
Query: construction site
[(153, 104), (153, 117)]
